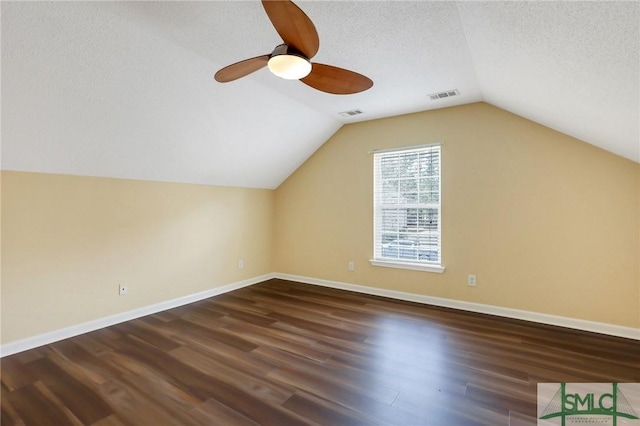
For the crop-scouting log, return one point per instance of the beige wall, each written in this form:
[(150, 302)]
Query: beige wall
[(547, 223), (67, 242)]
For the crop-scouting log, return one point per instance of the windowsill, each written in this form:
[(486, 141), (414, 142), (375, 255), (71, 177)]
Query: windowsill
[(425, 267)]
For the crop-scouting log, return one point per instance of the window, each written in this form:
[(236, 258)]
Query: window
[(406, 194)]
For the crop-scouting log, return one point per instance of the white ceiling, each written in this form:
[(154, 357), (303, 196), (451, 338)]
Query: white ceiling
[(126, 89)]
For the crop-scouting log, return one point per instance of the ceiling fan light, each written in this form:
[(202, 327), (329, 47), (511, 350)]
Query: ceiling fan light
[(289, 67)]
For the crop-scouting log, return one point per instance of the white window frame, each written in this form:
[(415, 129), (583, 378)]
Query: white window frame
[(378, 205)]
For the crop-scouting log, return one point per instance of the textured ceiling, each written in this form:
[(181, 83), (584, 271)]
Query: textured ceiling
[(126, 89)]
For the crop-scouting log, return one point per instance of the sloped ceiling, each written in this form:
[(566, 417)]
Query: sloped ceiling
[(126, 89)]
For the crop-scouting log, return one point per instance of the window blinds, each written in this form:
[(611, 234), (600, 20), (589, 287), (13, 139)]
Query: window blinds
[(407, 225)]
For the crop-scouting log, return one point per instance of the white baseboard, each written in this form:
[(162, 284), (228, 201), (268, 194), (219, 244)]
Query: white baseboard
[(75, 330), (578, 324)]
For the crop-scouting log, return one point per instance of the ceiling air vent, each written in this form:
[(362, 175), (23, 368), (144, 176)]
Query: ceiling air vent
[(445, 94), (350, 113)]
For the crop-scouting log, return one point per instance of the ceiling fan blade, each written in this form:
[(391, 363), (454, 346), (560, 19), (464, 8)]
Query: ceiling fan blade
[(240, 69), (293, 25), (338, 81)]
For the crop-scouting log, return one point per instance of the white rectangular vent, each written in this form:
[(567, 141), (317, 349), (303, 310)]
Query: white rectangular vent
[(445, 94), (350, 113)]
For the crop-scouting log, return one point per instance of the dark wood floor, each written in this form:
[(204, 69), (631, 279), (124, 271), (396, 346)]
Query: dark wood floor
[(283, 353)]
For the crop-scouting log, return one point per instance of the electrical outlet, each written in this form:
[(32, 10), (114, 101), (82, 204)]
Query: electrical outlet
[(471, 281), (123, 289), (351, 266), (240, 264)]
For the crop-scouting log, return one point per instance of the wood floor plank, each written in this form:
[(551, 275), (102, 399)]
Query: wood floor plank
[(138, 408), (36, 409), (15, 374), (519, 419), (256, 385), (140, 377), (212, 412), (207, 333), (33, 354), (109, 421), (326, 412), (85, 404), (8, 414), (75, 358), (244, 316), (136, 328), (58, 402), (325, 382), (204, 387), (449, 409), (286, 353), (265, 337), (500, 398)]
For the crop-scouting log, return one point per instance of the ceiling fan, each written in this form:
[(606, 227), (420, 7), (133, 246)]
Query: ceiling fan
[(291, 60)]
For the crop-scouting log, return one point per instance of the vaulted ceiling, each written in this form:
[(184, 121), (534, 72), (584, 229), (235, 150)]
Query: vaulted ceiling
[(126, 89)]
